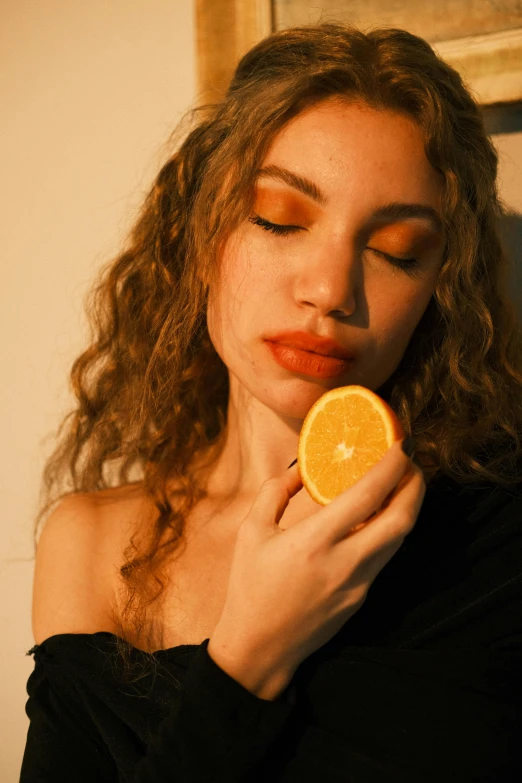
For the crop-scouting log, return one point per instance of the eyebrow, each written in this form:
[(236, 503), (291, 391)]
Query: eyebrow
[(396, 210)]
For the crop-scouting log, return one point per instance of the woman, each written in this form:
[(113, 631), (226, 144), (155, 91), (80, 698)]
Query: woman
[(345, 187)]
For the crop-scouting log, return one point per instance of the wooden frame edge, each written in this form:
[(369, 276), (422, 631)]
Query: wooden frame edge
[(225, 31), (490, 64)]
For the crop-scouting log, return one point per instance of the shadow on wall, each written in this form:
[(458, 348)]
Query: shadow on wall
[(511, 229)]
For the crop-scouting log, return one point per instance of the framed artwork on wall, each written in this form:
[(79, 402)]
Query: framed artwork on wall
[(482, 40)]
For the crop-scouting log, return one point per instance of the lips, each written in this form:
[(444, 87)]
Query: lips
[(307, 341), (308, 363)]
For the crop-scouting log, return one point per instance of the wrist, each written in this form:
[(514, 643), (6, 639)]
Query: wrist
[(264, 682)]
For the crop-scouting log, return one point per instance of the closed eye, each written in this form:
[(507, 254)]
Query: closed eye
[(403, 263), (407, 264), (275, 228)]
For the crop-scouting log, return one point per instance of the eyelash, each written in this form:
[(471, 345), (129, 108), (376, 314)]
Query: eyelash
[(282, 231)]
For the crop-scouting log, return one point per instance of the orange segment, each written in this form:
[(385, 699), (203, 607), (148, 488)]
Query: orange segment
[(344, 433)]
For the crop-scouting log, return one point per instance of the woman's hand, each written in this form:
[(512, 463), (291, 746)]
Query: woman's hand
[(290, 591)]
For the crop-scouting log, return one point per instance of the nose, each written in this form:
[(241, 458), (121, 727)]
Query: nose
[(327, 278)]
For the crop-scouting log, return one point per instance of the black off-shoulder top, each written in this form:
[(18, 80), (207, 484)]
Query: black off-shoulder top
[(424, 683)]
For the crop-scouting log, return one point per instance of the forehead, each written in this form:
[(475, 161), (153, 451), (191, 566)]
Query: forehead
[(344, 145), (349, 123)]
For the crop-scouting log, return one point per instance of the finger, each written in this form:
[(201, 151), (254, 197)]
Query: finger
[(356, 504), (360, 568), (273, 497), (377, 542)]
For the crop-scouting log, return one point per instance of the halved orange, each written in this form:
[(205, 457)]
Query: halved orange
[(344, 433)]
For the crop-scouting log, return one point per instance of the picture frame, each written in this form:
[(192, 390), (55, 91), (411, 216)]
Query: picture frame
[(489, 63)]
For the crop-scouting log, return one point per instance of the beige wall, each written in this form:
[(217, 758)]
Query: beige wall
[(89, 93), (509, 148)]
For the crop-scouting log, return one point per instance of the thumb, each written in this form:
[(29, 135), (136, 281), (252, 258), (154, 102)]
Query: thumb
[(273, 498)]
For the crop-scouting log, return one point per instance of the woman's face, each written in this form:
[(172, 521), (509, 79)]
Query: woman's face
[(329, 274)]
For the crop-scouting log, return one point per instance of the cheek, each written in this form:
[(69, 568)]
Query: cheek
[(245, 281), (253, 269), (395, 317)]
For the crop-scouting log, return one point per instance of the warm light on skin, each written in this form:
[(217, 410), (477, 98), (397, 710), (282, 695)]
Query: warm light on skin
[(406, 239), (284, 207), (325, 278)]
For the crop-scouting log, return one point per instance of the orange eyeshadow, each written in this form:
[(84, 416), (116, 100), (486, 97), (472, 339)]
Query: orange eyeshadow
[(401, 239), (281, 207)]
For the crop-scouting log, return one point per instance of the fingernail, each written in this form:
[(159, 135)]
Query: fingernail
[(408, 445), (292, 463)]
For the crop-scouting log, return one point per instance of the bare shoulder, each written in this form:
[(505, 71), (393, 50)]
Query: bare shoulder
[(78, 555)]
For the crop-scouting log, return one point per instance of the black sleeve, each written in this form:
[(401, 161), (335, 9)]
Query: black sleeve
[(60, 745), (222, 731), (216, 730)]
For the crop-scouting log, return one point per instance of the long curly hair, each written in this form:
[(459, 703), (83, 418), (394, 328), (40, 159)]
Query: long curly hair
[(151, 391)]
